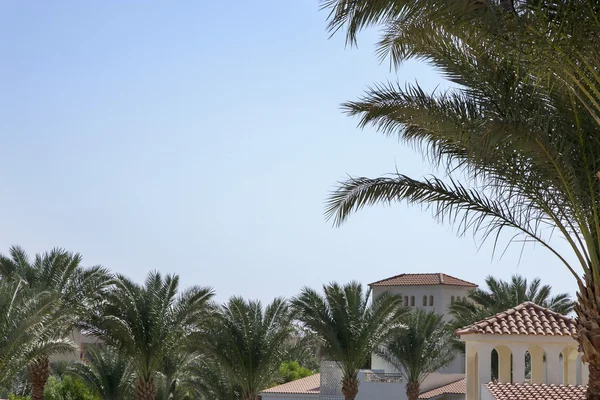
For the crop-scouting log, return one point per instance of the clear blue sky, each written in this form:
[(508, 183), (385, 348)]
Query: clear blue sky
[(201, 138)]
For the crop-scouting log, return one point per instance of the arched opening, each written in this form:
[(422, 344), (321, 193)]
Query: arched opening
[(425, 301), (431, 301)]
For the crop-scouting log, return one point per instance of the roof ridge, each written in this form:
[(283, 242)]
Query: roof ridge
[(387, 279)]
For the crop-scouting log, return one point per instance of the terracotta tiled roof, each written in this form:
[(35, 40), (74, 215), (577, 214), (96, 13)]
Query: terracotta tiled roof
[(309, 385), (525, 319), (458, 387), (517, 391), (422, 280)]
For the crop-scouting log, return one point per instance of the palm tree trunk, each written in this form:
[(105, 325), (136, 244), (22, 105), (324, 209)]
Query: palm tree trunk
[(144, 389), (588, 333), (350, 387), (413, 390), (39, 371)]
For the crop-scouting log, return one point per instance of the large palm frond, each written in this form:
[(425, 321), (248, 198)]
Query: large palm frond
[(27, 328)]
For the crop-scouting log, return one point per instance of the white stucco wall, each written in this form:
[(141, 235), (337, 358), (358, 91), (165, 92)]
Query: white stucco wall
[(380, 390)]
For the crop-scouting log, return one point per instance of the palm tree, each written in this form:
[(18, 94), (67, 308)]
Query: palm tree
[(108, 372), (248, 342), (28, 320), (501, 295), (205, 379), (516, 136), (350, 326), (422, 346), (60, 273), (147, 323)]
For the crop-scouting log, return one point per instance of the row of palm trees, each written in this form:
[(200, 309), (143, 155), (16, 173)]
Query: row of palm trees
[(161, 342)]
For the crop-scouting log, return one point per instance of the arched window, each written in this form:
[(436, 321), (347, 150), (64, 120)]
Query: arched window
[(412, 301), (425, 301), (452, 300), (431, 300), (406, 300)]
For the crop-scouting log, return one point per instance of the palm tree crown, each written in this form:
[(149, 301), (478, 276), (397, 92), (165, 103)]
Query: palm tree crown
[(148, 322), (350, 326), (501, 295), (27, 328), (422, 346), (249, 342)]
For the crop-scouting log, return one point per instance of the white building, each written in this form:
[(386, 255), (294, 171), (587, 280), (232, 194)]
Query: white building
[(528, 330)]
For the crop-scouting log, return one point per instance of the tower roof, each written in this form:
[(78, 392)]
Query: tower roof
[(423, 280), (525, 319)]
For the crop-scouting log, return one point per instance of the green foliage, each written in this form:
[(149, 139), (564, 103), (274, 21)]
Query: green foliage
[(291, 371), (247, 342), (501, 295), (15, 397), (108, 372), (348, 324), (27, 321), (68, 388), (148, 322), (422, 346)]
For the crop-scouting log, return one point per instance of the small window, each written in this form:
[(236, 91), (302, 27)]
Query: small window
[(431, 301), (424, 301), (452, 300), (412, 301), (406, 300)]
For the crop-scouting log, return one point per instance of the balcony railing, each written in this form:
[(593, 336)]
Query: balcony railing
[(382, 377)]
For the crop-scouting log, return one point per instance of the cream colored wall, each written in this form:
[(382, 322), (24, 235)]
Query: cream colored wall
[(79, 339)]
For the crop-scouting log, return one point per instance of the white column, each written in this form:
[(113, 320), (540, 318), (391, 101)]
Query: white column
[(471, 372), (537, 365), (484, 359), (504, 364), (553, 364), (518, 353), (585, 373), (569, 366)]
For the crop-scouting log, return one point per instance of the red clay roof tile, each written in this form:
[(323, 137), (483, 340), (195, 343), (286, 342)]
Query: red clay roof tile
[(422, 280), (458, 387), (525, 319), (519, 391), (309, 385)]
